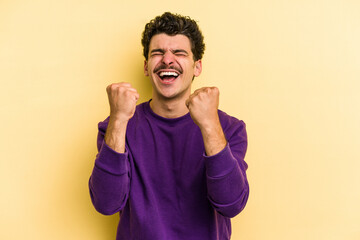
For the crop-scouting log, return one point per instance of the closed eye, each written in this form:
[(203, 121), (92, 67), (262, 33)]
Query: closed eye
[(157, 52), (180, 52), (176, 52)]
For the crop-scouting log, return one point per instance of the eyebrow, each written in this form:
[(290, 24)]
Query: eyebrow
[(180, 51), (157, 50), (173, 51)]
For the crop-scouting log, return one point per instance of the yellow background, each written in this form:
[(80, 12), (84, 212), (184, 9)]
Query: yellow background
[(289, 69)]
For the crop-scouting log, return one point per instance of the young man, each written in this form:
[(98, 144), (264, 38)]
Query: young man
[(173, 167)]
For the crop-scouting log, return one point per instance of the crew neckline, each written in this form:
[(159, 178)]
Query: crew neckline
[(149, 111)]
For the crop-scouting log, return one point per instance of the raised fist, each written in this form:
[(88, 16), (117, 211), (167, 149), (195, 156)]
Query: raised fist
[(203, 106), (122, 100)]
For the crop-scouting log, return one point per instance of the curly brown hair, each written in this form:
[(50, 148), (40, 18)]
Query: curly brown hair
[(173, 24)]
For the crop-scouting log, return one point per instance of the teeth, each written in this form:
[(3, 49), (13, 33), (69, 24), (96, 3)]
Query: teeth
[(162, 74)]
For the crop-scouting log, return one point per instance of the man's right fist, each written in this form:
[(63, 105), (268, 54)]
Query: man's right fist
[(122, 100)]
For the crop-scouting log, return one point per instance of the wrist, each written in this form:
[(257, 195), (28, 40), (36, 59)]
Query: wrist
[(115, 134), (214, 138), (208, 126), (118, 120)]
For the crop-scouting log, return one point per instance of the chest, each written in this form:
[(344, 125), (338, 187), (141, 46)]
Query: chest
[(166, 155)]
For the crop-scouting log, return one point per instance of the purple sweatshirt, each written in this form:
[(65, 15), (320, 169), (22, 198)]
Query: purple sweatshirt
[(164, 186)]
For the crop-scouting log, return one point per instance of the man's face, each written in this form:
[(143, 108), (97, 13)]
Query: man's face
[(171, 66)]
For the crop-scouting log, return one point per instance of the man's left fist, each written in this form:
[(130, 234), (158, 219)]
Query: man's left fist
[(203, 106)]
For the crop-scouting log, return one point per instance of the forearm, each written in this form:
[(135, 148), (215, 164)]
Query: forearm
[(115, 134), (122, 101), (214, 138), (109, 183)]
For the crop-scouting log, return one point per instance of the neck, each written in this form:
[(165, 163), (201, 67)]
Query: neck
[(169, 108)]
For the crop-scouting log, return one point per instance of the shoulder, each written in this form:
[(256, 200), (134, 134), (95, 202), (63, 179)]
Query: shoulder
[(232, 126), (228, 121)]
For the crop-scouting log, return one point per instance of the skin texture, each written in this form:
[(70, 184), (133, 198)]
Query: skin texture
[(171, 98), (203, 105), (122, 100), (171, 53)]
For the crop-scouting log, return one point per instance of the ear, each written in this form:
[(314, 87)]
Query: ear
[(198, 68), (146, 72)]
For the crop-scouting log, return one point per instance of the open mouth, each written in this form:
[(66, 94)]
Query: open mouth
[(167, 76)]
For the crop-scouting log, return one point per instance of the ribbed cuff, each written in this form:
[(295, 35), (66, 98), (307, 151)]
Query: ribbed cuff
[(112, 161), (220, 164)]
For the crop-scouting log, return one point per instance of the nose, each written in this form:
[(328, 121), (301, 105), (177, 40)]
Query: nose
[(168, 58)]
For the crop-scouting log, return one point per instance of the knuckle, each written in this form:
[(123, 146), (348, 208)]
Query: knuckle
[(203, 93), (195, 99), (113, 87), (128, 93), (123, 89), (109, 86)]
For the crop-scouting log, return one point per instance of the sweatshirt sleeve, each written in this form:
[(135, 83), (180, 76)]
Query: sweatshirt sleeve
[(228, 188), (110, 179)]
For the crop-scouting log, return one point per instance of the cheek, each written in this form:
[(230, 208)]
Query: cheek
[(187, 66), (190, 67)]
